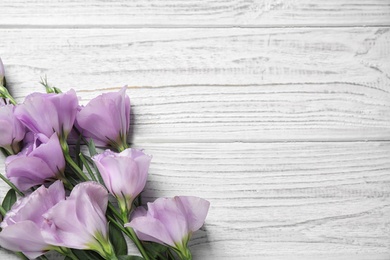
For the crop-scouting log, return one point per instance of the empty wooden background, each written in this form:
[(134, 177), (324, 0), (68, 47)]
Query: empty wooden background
[(276, 111)]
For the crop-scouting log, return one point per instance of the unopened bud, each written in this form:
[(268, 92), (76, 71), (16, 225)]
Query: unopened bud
[(2, 73)]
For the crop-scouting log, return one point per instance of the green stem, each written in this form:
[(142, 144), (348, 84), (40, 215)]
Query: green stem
[(4, 92), (11, 185), (21, 255), (2, 211), (128, 231), (184, 253), (66, 252), (89, 170), (5, 152), (12, 100), (66, 183), (75, 167), (113, 210), (69, 160), (137, 242), (111, 257), (170, 255)]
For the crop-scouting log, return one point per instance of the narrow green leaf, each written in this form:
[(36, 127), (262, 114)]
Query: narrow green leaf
[(11, 185), (129, 257), (89, 170), (9, 200), (77, 151), (87, 255), (117, 239), (91, 147), (99, 176), (4, 152), (57, 90)]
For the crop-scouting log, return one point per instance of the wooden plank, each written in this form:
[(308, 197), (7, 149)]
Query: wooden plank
[(220, 85), (273, 200), (160, 57), (260, 113), (177, 13)]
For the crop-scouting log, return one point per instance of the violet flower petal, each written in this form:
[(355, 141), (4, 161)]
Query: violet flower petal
[(106, 118), (77, 220), (11, 129), (170, 221), (36, 163), (24, 237), (124, 174), (49, 113)]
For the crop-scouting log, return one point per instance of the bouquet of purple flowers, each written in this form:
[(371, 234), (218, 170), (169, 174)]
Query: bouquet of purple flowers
[(59, 196)]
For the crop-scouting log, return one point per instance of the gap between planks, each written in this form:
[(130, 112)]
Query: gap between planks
[(185, 26)]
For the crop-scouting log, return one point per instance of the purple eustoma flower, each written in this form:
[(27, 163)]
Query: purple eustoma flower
[(124, 174), (12, 131), (48, 113), (170, 221), (79, 221), (39, 161), (23, 228), (106, 119)]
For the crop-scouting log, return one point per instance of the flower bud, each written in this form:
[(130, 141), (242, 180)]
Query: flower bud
[(2, 73), (124, 174), (12, 131)]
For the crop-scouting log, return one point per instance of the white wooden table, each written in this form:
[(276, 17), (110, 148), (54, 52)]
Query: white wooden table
[(277, 111)]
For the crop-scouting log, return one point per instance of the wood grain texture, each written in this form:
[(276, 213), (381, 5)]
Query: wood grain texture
[(281, 200), (244, 85), (191, 13), (277, 111), (276, 200), (160, 57)]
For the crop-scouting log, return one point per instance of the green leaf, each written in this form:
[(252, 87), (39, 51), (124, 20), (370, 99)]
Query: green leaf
[(85, 163), (77, 151), (92, 147), (99, 176), (119, 242), (9, 200), (57, 90), (87, 255), (11, 185), (154, 249), (129, 257)]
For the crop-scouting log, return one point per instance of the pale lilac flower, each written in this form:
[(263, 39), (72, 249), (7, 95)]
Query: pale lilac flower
[(12, 131), (124, 174), (79, 221), (106, 119), (40, 161), (23, 226), (48, 113), (170, 221)]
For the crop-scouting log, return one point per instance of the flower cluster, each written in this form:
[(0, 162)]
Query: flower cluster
[(63, 194)]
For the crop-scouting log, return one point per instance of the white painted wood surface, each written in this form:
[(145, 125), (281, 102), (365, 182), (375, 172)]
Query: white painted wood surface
[(278, 112), (185, 13)]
